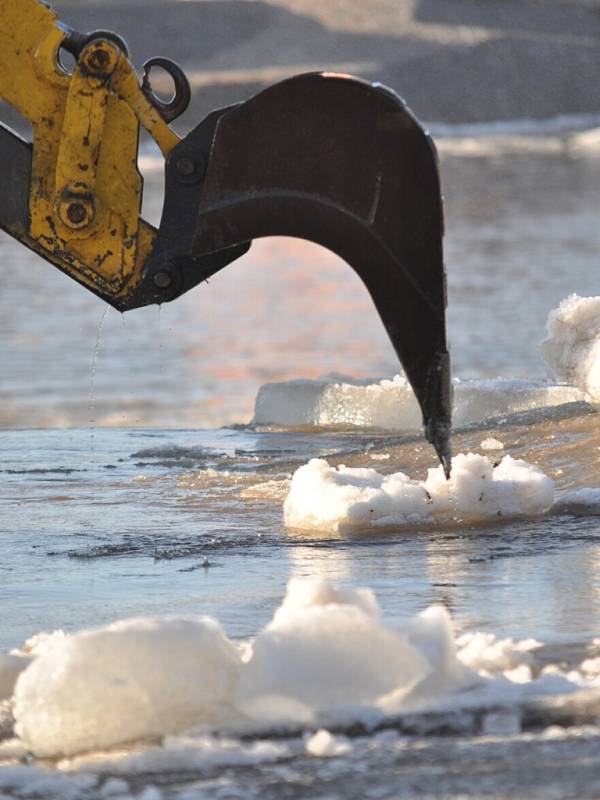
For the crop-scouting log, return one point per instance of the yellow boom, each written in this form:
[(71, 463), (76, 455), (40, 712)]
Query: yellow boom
[(85, 187)]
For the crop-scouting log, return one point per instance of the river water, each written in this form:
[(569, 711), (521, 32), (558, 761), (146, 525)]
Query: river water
[(170, 503)]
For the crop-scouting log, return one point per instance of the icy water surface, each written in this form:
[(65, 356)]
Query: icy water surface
[(144, 520), (182, 523)]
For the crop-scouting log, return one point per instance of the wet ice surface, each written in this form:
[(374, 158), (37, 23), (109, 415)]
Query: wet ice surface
[(98, 526), (391, 405)]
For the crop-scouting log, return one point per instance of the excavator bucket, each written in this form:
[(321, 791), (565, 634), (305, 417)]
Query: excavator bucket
[(337, 161)]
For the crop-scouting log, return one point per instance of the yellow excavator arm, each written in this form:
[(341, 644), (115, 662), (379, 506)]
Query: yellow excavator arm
[(85, 189), (321, 156)]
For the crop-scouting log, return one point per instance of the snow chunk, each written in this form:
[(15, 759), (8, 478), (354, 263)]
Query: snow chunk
[(327, 647), (38, 644), (136, 679), (341, 498), (572, 347), (328, 651), (304, 594), (591, 666), (432, 633), (324, 744), (491, 444), (13, 663), (486, 654)]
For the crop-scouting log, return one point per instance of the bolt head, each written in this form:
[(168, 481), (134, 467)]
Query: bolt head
[(162, 279), (100, 57), (76, 207), (76, 212), (187, 169), (185, 166)]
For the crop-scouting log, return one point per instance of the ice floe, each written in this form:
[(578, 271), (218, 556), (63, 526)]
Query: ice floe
[(584, 501), (325, 648), (491, 444), (572, 346), (324, 744), (341, 498), (488, 655), (135, 679), (326, 658), (390, 404)]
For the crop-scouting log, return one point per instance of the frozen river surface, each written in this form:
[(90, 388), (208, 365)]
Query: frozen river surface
[(165, 512)]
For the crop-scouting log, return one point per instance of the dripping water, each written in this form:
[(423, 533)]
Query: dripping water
[(93, 376), (160, 338)]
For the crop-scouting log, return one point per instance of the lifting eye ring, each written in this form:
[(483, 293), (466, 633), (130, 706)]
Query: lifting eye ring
[(181, 98)]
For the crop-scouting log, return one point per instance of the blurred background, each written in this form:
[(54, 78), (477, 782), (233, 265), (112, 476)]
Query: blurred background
[(510, 91), (455, 60)]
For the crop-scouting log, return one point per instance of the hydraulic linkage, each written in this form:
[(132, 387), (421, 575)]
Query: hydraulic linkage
[(320, 156)]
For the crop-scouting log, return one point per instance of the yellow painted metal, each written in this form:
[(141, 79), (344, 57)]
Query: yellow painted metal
[(124, 82), (86, 189)]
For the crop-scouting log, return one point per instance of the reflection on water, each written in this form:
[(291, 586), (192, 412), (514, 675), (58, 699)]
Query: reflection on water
[(521, 234)]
